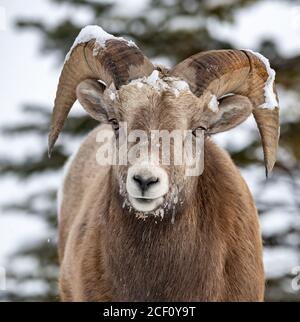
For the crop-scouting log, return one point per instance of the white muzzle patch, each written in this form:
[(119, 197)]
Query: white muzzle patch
[(146, 186)]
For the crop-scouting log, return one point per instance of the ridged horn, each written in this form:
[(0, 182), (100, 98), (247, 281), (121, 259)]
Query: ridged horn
[(97, 55), (242, 72)]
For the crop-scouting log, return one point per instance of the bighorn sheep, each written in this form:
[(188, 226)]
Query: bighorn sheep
[(112, 244)]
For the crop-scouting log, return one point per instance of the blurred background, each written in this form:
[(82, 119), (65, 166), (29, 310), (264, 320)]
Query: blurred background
[(35, 35)]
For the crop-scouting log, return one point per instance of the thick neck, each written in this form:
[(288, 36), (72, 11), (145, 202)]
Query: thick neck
[(155, 259)]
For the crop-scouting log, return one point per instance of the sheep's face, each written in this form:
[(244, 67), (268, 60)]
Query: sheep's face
[(158, 122), (158, 139)]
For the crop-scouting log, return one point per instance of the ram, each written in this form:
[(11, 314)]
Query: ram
[(146, 231)]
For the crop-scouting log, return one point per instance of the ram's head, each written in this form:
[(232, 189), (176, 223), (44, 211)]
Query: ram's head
[(211, 92)]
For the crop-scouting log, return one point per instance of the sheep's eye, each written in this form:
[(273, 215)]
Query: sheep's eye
[(115, 124), (199, 128)]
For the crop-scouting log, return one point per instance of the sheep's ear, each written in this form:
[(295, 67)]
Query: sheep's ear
[(90, 95), (232, 111)]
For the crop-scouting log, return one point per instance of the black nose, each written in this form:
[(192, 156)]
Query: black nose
[(144, 183)]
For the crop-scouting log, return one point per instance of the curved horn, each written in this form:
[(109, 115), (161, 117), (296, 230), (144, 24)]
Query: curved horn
[(242, 72), (99, 55)]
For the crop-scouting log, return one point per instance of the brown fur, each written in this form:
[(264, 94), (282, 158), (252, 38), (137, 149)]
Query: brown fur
[(212, 252)]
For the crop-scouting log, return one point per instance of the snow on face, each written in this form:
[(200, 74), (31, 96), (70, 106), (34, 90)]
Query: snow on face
[(112, 96), (95, 32), (173, 84), (270, 97)]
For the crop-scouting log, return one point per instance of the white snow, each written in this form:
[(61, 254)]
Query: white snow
[(95, 32), (154, 80), (181, 85), (129, 8), (112, 96), (213, 104), (278, 222), (279, 260), (270, 97), (17, 230), (269, 19)]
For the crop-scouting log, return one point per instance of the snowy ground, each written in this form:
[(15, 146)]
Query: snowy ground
[(21, 83)]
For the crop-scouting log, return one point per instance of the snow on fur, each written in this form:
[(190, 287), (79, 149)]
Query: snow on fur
[(213, 104), (154, 80)]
